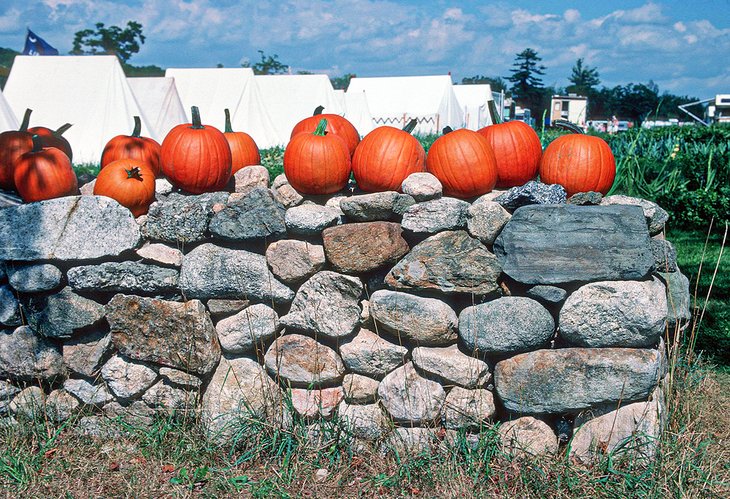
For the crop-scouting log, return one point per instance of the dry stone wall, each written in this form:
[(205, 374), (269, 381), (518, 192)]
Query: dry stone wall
[(405, 315)]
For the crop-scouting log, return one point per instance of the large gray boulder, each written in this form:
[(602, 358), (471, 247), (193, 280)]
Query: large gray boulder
[(35, 278), (422, 186), (293, 261), (303, 362), (173, 334), (655, 215), (532, 192), (67, 228), (327, 304), (435, 216), (210, 271), (557, 244), (426, 321), (507, 325), (376, 206), (450, 366), (252, 217), (124, 277), (60, 314), (448, 262), (85, 354), (679, 300), (182, 218), (26, 356), (358, 248), (371, 355), (311, 219), (615, 314), (410, 398), (485, 220), (573, 379), (248, 329), (127, 379)]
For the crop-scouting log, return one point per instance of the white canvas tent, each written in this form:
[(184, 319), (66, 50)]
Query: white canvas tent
[(358, 112), (474, 105), (395, 100), (8, 121), (215, 89), (160, 104), (291, 98), (91, 92)]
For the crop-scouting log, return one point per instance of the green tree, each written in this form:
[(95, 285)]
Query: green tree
[(497, 83), (527, 87), (112, 40), (637, 101), (342, 82), (583, 79), (268, 65)]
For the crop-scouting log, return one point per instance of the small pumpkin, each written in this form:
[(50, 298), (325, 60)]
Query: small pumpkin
[(54, 138), (244, 151), (386, 156), (580, 163), (44, 173), (317, 162), (517, 149), (130, 181), (464, 162), (133, 146), (336, 125), (196, 157), (13, 143)]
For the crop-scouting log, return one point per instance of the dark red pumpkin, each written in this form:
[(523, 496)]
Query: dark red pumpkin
[(517, 149), (244, 151), (13, 144), (130, 181), (54, 138), (133, 146), (336, 125), (196, 157), (44, 173), (580, 163), (317, 162), (464, 162), (385, 157)]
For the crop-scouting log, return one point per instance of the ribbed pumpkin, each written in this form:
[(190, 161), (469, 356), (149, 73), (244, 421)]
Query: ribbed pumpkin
[(385, 157), (130, 181), (517, 150), (464, 162), (54, 138), (133, 146), (580, 163), (13, 144), (196, 157), (336, 125), (317, 162), (44, 173), (244, 151)]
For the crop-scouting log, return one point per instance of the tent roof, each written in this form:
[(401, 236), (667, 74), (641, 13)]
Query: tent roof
[(160, 103), (91, 92), (473, 100), (8, 121), (358, 112)]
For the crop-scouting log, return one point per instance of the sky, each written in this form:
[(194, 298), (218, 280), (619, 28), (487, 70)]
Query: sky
[(683, 46)]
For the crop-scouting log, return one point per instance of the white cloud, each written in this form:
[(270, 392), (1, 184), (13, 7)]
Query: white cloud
[(679, 26), (571, 15)]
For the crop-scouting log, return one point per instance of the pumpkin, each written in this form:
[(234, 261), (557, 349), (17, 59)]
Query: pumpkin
[(580, 163), (196, 157), (386, 156), (244, 151), (13, 144), (464, 162), (317, 162), (336, 125), (517, 150), (44, 173), (133, 146), (54, 138), (130, 181)]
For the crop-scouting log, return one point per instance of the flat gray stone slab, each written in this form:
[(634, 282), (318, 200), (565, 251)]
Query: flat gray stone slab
[(557, 244)]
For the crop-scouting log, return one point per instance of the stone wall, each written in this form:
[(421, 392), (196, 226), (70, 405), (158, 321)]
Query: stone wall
[(406, 316)]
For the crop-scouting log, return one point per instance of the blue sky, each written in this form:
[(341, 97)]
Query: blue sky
[(684, 46)]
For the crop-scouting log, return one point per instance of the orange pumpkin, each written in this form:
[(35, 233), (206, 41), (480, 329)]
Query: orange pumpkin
[(130, 181), (580, 163), (196, 157), (244, 151), (517, 150), (44, 173), (317, 163), (386, 156), (13, 144), (133, 146), (54, 138), (336, 124), (464, 162)]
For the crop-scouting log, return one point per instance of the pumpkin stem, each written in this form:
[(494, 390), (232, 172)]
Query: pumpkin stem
[(447, 129), (567, 125), (493, 113), (137, 127), (134, 173), (37, 143), (228, 128), (26, 121), (197, 124), (410, 126), (62, 129), (321, 127), (318, 110)]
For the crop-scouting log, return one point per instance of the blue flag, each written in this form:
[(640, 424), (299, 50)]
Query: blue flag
[(35, 45)]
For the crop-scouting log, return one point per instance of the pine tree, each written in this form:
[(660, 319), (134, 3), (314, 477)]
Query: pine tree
[(527, 87)]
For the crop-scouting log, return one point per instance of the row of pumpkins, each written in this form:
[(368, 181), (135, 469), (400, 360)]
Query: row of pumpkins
[(324, 149)]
